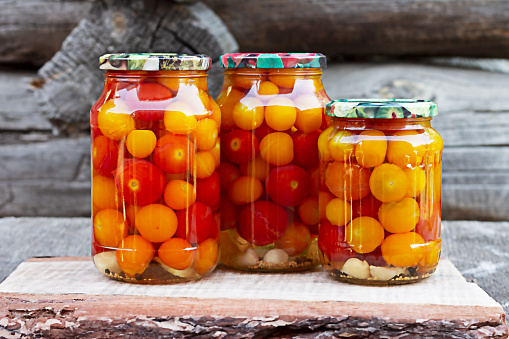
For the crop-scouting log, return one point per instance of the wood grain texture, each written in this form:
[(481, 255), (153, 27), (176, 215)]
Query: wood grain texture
[(370, 27), (72, 79), (232, 308), (18, 109), (98, 316), (32, 31)]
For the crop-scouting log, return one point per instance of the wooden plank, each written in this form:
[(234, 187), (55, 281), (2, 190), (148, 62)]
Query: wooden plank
[(32, 31), (18, 111), (443, 305), (23, 238), (479, 250), (395, 27), (45, 198), (72, 79)]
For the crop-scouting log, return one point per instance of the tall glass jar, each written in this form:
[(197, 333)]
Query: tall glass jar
[(272, 114), (155, 188), (380, 177)]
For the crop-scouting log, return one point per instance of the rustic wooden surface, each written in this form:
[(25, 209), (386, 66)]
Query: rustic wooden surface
[(32, 31), (339, 27), (256, 305), (478, 249), (72, 81)]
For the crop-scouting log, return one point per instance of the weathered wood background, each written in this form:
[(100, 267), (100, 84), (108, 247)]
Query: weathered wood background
[(44, 145)]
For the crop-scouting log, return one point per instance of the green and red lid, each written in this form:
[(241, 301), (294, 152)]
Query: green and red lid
[(273, 60), (381, 108), (155, 62)]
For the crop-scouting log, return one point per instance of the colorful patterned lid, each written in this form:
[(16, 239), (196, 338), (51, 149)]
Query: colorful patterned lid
[(381, 108), (273, 60), (155, 62)]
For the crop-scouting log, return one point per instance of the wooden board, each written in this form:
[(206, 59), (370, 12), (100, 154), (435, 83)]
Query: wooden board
[(335, 27), (56, 296)]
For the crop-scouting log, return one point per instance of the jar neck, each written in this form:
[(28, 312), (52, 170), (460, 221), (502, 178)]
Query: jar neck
[(274, 71), (382, 124), (136, 76)]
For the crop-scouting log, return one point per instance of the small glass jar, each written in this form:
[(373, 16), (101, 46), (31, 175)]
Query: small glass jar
[(272, 114), (155, 188), (380, 177)]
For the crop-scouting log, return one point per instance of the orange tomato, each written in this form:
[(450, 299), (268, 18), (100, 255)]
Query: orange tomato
[(248, 113), (267, 88), (309, 113), (204, 165), (277, 149), (179, 118), (416, 181), (104, 192), (179, 194), (341, 145), (323, 144), (176, 253), (156, 222), (388, 183), (364, 234), (371, 148), (431, 254), (399, 216), (206, 257), (257, 168), (406, 148), (280, 113), (216, 152), (244, 190), (338, 212), (295, 240), (308, 211), (403, 249), (114, 119), (226, 100), (283, 78), (216, 113), (141, 143), (110, 227), (205, 135), (347, 181), (134, 254)]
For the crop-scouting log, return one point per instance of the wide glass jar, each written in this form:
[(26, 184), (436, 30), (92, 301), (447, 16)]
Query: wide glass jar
[(272, 114), (380, 182), (155, 188)]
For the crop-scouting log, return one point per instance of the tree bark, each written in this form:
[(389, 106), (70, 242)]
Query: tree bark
[(72, 80)]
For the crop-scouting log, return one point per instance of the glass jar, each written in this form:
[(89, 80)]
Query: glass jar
[(155, 188), (272, 114), (380, 177)]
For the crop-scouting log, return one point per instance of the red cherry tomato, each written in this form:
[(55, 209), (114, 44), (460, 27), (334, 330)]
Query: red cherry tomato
[(262, 222), (305, 149), (288, 185), (374, 258), (366, 207), (208, 191), (332, 244), (261, 131), (139, 182), (229, 213), (195, 223), (148, 100), (240, 146), (228, 173), (105, 155), (174, 153)]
